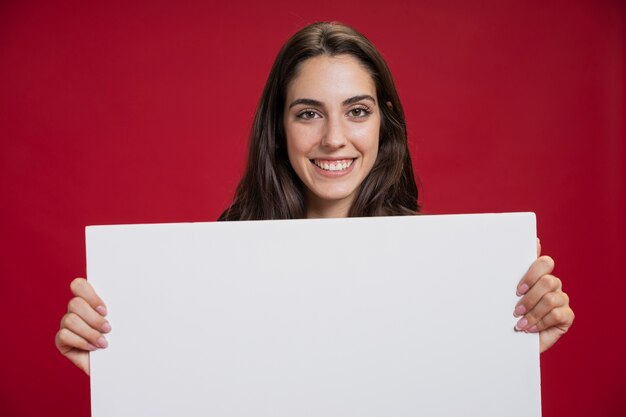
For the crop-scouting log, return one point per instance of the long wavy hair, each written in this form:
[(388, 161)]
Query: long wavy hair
[(270, 188)]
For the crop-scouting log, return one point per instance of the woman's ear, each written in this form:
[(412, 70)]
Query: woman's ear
[(389, 105)]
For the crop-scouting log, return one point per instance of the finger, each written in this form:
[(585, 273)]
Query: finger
[(538, 247), (77, 325), (548, 302), (81, 308), (560, 318), (81, 288), (66, 340), (542, 266), (545, 284)]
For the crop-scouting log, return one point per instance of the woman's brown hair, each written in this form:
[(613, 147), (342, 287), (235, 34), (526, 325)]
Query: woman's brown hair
[(270, 188)]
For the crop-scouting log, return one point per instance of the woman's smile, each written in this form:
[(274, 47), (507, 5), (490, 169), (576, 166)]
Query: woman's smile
[(333, 167)]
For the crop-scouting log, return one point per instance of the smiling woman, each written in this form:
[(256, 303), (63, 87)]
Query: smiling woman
[(322, 144), (328, 140)]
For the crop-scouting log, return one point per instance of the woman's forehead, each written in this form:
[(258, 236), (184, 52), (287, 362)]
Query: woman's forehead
[(330, 77)]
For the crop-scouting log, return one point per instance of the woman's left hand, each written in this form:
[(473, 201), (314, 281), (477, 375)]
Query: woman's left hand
[(544, 307)]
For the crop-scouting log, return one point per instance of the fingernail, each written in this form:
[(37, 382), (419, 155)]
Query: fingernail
[(106, 327), (91, 347), (522, 289), (102, 342), (521, 324), (532, 329), (102, 310), (520, 310)]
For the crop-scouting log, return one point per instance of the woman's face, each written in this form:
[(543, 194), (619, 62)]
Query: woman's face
[(332, 124)]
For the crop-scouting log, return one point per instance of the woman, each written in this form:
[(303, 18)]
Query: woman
[(328, 140)]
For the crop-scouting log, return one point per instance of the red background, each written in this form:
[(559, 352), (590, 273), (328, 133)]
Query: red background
[(133, 113)]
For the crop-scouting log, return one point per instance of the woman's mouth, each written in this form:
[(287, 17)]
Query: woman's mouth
[(335, 165)]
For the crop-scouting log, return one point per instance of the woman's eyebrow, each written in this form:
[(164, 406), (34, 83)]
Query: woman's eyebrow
[(355, 99), (346, 102), (307, 101)]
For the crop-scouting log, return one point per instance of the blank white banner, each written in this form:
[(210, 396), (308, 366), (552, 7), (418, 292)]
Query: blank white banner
[(366, 317)]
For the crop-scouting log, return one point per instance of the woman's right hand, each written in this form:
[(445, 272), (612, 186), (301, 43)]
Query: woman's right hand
[(83, 327)]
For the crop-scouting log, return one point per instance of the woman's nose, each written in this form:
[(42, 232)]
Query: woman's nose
[(334, 136)]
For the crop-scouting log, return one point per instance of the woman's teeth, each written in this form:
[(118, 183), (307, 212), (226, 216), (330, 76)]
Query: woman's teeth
[(340, 165)]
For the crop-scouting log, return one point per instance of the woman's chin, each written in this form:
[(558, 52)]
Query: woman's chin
[(329, 197)]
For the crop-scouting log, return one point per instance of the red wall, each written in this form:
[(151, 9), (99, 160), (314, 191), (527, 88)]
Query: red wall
[(118, 113)]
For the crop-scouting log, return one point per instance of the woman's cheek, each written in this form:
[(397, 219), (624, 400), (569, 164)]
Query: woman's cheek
[(366, 140), (301, 140)]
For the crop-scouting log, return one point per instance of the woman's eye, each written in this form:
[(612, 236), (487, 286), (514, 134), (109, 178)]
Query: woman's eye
[(307, 114), (359, 112)]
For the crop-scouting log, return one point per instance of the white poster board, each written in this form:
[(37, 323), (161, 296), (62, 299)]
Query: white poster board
[(365, 317)]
